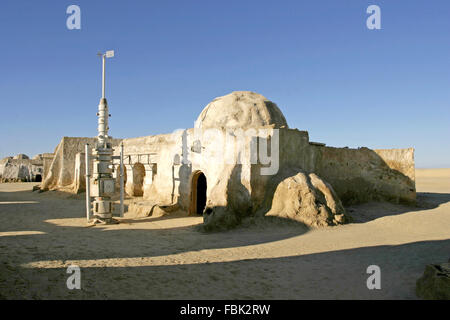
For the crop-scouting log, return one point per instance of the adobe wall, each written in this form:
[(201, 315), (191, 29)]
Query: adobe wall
[(12, 169), (295, 150), (158, 169), (171, 175), (61, 172), (359, 175), (47, 159), (401, 160)]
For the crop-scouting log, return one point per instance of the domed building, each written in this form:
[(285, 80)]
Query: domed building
[(241, 158)]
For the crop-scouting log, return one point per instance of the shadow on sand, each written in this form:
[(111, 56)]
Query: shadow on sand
[(338, 274), (49, 214), (365, 212)]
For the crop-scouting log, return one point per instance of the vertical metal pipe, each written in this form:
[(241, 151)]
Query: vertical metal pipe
[(88, 186), (103, 77), (121, 181)]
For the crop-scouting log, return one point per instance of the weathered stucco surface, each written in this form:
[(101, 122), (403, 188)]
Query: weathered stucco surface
[(357, 175), (233, 111)]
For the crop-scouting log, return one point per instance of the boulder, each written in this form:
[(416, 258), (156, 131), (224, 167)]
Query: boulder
[(435, 282), (308, 199)]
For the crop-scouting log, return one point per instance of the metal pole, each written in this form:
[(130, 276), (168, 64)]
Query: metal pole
[(103, 77), (103, 186), (121, 181), (88, 186)]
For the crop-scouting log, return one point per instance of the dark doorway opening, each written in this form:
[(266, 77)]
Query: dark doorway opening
[(198, 194), (38, 178), (201, 194)]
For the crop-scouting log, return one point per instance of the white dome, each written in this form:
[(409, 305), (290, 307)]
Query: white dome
[(241, 109)]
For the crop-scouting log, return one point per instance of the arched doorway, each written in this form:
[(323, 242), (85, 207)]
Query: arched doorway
[(198, 193), (138, 179), (38, 178)]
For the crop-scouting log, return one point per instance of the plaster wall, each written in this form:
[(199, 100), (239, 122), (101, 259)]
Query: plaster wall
[(362, 174)]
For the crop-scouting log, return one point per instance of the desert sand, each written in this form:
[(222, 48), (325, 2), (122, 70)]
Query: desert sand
[(41, 234)]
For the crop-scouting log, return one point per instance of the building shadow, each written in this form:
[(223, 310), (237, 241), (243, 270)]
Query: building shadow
[(340, 274), (47, 214)]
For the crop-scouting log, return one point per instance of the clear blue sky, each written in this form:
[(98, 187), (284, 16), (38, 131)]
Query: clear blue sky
[(347, 85)]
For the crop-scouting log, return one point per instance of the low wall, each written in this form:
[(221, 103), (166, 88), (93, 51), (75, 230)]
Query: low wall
[(362, 174), (357, 175)]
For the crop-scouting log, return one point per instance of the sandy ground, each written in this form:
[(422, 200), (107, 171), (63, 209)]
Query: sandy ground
[(41, 234)]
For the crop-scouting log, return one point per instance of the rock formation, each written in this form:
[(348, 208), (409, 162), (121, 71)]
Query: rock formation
[(435, 282), (308, 199)]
